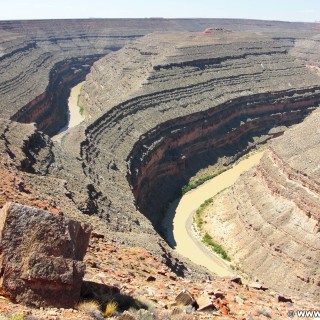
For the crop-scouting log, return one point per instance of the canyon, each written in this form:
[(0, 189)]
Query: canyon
[(162, 101), (188, 113)]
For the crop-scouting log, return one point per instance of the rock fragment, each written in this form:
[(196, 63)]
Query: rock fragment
[(283, 299), (205, 303), (185, 298), (41, 256)]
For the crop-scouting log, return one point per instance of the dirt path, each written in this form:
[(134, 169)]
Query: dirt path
[(178, 220), (74, 112)]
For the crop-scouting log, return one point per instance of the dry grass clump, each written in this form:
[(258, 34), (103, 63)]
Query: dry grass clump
[(88, 306)]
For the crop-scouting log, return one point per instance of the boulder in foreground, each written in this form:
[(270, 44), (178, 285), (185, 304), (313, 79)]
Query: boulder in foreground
[(41, 256)]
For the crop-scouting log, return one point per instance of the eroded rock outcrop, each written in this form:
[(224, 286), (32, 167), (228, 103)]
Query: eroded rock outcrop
[(41, 60), (41, 256), (269, 221)]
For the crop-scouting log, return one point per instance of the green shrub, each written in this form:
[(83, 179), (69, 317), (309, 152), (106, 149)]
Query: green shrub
[(197, 217), (81, 108), (197, 183), (214, 246)]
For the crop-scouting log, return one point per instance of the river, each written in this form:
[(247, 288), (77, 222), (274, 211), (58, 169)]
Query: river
[(74, 116), (178, 220)]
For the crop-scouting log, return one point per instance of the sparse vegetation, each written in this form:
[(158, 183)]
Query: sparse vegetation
[(197, 183), (143, 314), (207, 239), (110, 309), (197, 217), (147, 304), (200, 181), (80, 105)]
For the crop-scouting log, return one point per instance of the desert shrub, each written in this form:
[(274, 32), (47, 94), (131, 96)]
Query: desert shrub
[(146, 304), (81, 108), (143, 314), (126, 302), (197, 217)]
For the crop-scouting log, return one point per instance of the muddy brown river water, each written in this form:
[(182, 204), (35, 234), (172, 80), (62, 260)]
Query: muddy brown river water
[(178, 221), (74, 112)]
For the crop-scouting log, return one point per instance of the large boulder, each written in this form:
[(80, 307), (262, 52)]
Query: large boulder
[(41, 256)]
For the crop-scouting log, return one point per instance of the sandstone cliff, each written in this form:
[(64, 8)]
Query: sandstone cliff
[(40, 60)]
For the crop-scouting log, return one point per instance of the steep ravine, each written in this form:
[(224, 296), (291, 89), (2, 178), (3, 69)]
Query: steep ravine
[(164, 158), (164, 106), (50, 110)]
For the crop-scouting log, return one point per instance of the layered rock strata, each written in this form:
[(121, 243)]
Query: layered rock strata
[(41, 256), (269, 221), (203, 97), (43, 167), (50, 109), (35, 172), (40, 60)]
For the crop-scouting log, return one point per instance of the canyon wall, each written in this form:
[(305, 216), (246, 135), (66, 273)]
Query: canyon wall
[(50, 109), (204, 97), (269, 221)]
